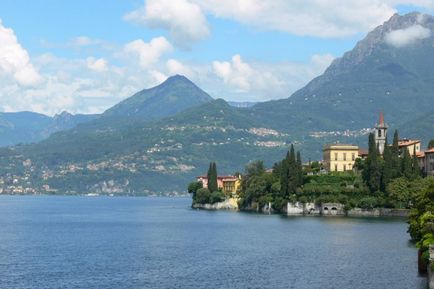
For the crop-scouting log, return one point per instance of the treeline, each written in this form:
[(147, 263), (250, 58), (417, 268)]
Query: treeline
[(261, 188)]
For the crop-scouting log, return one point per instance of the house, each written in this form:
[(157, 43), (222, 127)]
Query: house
[(340, 157), (413, 146), (429, 162), (228, 184)]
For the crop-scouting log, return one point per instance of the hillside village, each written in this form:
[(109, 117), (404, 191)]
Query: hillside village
[(339, 161)]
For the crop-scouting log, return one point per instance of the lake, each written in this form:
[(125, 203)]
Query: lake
[(103, 242)]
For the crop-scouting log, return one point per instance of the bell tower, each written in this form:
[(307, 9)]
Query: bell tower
[(381, 133)]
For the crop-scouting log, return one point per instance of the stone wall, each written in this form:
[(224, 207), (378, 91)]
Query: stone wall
[(229, 204), (337, 209), (378, 212)]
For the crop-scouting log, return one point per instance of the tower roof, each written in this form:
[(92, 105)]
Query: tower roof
[(381, 123)]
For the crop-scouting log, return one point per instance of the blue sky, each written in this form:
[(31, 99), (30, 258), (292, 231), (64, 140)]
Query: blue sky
[(83, 56)]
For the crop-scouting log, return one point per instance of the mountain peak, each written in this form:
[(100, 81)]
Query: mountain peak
[(175, 94)]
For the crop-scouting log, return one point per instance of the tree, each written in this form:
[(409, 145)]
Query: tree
[(395, 160), (202, 196), (299, 170), (415, 166), (388, 169), (372, 173), (255, 168), (193, 187), (212, 177), (406, 165), (431, 144)]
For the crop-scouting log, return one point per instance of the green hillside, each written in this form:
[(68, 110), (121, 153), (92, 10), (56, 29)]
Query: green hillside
[(161, 138)]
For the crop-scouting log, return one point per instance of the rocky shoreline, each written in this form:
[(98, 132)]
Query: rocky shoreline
[(309, 209)]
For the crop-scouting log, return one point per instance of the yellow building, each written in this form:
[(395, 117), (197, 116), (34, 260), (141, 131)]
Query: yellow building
[(340, 157), (228, 184), (413, 146)]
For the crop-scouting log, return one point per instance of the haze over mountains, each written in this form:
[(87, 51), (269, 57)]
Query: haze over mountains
[(162, 137)]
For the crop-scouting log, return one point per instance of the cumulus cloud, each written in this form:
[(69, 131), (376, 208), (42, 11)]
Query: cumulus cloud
[(15, 60), (304, 17), (148, 53), (407, 36), (99, 65), (258, 81), (177, 67), (183, 19)]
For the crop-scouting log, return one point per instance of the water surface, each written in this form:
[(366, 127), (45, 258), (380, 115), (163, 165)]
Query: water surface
[(82, 242)]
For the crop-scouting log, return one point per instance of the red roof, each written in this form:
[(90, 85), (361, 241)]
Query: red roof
[(429, 151), (407, 142), (381, 118)]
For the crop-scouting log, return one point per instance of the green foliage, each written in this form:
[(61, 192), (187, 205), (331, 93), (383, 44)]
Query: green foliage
[(421, 219), (203, 196), (216, 197), (212, 177), (431, 144)]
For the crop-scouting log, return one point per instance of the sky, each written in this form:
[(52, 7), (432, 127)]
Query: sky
[(84, 56)]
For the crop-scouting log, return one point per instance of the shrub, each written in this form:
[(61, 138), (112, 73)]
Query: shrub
[(216, 197), (202, 196)]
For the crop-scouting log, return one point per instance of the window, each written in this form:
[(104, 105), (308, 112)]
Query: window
[(345, 167), (336, 156), (379, 133), (336, 168), (345, 156), (353, 156)]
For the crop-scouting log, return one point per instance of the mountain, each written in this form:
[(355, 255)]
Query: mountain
[(134, 149), (175, 94), (374, 76), (28, 127)]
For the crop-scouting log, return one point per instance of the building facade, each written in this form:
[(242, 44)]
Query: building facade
[(228, 184), (429, 162), (411, 145), (340, 157)]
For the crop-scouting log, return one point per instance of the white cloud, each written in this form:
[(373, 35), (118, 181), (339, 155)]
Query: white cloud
[(148, 53), (258, 81), (99, 65), (176, 67), (183, 19), (407, 36), (15, 60)]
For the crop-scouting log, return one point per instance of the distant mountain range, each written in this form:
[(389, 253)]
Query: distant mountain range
[(28, 127), (160, 138)]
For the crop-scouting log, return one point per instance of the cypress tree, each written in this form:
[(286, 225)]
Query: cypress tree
[(299, 170), (395, 160), (373, 174), (406, 164), (388, 172), (284, 172), (292, 172), (212, 177), (415, 165)]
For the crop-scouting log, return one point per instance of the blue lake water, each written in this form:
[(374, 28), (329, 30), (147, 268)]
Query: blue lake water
[(82, 242)]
